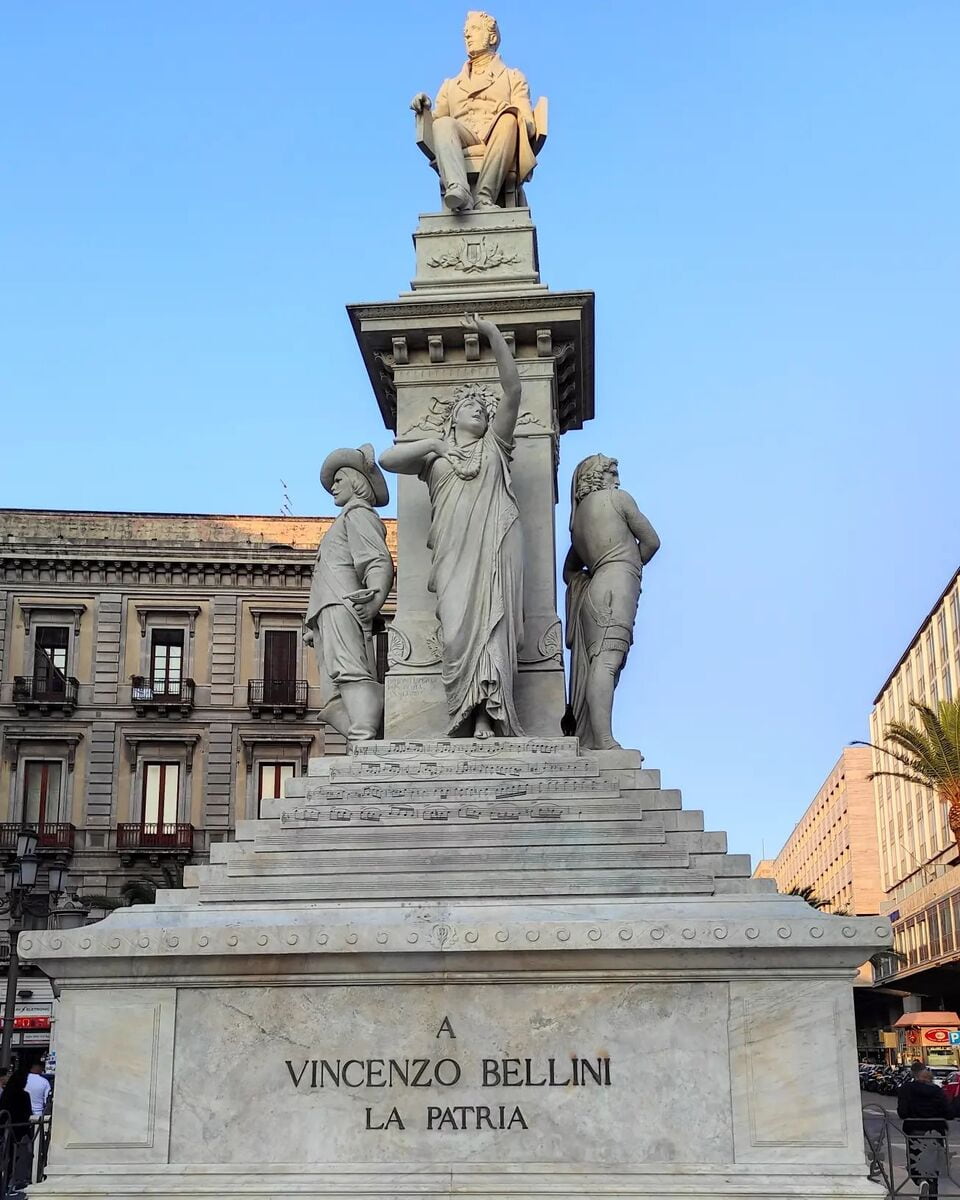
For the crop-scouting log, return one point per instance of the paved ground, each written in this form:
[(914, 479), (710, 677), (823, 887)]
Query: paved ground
[(949, 1184)]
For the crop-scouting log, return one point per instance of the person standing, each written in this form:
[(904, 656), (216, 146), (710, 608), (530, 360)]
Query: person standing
[(16, 1110), (38, 1088), (924, 1112), (477, 546)]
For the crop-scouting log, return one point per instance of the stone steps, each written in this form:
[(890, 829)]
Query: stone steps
[(439, 885), (481, 860), (357, 837)]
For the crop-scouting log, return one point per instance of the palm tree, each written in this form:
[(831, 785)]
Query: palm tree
[(807, 893), (929, 755)]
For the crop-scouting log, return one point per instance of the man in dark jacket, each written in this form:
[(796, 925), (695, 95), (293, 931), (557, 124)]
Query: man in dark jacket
[(924, 1111)]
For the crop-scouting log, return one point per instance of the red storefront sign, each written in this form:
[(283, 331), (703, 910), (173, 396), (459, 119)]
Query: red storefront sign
[(31, 1022), (913, 1037), (939, 1037)]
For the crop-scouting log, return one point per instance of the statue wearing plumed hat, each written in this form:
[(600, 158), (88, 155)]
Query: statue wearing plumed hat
[(351, 580)]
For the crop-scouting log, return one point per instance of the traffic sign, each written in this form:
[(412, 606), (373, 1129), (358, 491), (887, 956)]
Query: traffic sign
[(955, 1037)]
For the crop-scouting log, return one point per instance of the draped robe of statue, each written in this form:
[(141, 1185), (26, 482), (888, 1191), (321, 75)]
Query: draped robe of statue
[(477, 577)]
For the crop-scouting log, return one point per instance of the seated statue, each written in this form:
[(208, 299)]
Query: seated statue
[(486, 106), (352, 578), (612, 542)]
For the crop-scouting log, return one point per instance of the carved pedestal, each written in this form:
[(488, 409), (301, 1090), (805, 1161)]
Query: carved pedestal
[(453, 967), (419, 359)]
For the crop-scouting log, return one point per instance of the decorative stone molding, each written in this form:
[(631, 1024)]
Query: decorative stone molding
[(145, 611), (363, 933), (137, 738), (29, 609), (250, 742), (473, 255), (13, 738), (259, 614)]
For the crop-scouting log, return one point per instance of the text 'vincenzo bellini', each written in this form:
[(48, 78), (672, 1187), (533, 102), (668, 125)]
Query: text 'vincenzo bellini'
[(331, 1073)]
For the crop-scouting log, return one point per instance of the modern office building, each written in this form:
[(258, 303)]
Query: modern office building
[(918, 856), (833, 847), (154, 687)]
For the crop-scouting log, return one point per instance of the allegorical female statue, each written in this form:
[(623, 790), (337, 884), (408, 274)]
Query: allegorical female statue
[(477, 547), (351, 579), (612, 541)]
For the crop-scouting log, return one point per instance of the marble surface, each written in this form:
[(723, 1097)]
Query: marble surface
[(716, 1011), (630, 1025)]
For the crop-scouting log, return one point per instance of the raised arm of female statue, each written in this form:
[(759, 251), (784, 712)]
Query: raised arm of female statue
[(509, 407), (409, 458)]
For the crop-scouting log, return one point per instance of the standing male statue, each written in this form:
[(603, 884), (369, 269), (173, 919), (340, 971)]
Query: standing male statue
[(477, 546), (612, 542), (351, 580), (488, 103)]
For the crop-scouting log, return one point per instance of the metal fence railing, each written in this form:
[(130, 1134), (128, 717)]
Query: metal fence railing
[(908, 1156), (23, 1155)]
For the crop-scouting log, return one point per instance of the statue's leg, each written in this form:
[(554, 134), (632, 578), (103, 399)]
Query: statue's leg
[(482, 725), (364, 701), (499, 157), (449, 138), (601, 681)]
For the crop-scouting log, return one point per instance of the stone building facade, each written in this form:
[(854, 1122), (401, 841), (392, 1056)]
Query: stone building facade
[(154, 684)]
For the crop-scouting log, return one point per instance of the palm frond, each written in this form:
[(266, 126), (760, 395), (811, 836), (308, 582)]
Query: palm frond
[(921, 780)]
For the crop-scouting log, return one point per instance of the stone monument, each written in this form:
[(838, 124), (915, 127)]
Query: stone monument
[(475, 965), (352, 578), (611, 543)]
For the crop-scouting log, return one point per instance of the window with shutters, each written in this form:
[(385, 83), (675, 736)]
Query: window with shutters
[(50, 653), (271, 778), (42, 791), (160, 799), (166, 661)]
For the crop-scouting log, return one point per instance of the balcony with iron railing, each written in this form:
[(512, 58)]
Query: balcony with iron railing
[(277, 697), (152, 838), (53, 837), (160, 697), (41, 695)]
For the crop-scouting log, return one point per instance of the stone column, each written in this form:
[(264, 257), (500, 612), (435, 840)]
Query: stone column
[(417, 355)]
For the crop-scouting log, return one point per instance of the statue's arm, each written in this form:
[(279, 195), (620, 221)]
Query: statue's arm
[(520, 97), (441, 107), (573, 565), (409, 458), (505, 418), (640, 527)]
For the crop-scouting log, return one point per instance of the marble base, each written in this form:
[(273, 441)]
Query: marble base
[(507, 969), (470, 254)]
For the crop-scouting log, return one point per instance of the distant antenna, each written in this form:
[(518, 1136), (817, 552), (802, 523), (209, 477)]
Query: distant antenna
[(286, 508)]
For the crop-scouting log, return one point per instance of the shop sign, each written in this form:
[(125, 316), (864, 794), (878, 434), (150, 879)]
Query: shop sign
[(913, 1037), (30, 1038), (939, 1037)]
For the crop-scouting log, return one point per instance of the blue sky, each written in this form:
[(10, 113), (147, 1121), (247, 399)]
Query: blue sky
[(763, 195)]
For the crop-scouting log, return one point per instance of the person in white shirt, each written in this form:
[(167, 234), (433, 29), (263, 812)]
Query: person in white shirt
[(38, 1088)]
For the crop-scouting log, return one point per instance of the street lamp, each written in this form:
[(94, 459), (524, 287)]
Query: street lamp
[(20, 878)]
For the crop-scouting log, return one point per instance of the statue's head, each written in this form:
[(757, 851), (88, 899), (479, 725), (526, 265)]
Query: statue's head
[(347, 474), (481, 34), (349, 482), (469, 418), (595, 474)]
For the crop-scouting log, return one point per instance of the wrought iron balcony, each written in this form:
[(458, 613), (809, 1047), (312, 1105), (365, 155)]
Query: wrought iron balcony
[(160, 697), (43, 695), (136, 837), (277, 697), (53, 837)]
